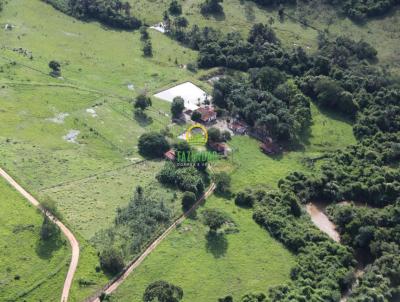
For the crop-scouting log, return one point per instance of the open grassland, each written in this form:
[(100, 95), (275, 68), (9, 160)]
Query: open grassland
[(208, 267), (29, 269)]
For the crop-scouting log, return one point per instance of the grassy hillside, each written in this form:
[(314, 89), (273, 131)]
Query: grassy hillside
[(29, 269)]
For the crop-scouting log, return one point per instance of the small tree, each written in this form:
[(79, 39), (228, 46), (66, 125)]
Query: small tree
[(153, 144), (55, 68), (162, 291), (182, 146), (144, 34), (214, 135), (111, 261), (49, 229), (222, 183), (244, 198), (175, 8), (196, 116), (142, 101), (211, 7), (214, 219), (177, 106), (147, 49), (188, 200)]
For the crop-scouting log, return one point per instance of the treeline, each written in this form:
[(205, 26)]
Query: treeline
[(114, 13), (375, 232), (357, 10), (324, 268)]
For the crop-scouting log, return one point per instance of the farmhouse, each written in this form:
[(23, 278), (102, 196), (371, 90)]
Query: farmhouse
[(208, 114)]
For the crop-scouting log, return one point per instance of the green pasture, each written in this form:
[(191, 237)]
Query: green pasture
[(29, 268)]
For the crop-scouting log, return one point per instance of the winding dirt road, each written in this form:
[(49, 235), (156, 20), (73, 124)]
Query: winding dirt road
[(114, 284), (71, 238)]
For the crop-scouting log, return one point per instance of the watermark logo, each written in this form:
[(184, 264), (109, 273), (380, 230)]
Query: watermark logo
[(197, 135)]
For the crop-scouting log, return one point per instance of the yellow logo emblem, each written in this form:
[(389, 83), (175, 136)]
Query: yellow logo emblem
[(197, 135)]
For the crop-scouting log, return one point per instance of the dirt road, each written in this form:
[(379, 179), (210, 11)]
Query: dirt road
[(71, 238), (134, 264)]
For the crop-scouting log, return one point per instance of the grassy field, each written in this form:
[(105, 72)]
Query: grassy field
[(207, 268), (29, 268)]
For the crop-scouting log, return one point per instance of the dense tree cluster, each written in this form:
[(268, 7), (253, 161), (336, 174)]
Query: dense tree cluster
[(113, 13), (211, 7), (135, 224), (324, 267), (375, 232), (267, 101), (185, 178)]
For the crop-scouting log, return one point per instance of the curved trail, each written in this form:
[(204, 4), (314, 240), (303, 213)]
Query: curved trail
[(114, 284), (71, 238)]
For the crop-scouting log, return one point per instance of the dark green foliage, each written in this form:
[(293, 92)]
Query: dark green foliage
[(49, 230), (142, 102), (222, 183), (153, 144), (188, 200), (245, 198), (111, 261), (215, 219), (211, 7), (226, 299), (162, 291), (177, 106), (283, 114), (113, 13), (214, 135), (185, 178), (254, 298), (182, 146), (175, 8), (322, 265), (135, 224), (196, 116), (55, 68), (147, 49), (144, 34)]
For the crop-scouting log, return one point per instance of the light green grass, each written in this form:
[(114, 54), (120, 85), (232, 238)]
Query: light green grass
[(41, 268), (249, 260)]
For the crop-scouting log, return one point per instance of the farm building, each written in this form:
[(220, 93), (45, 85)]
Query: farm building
[(208, 114), (170, 155), (238, 127), (270, 148)]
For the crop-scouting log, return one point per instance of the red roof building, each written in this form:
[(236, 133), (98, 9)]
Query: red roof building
[(207, 114), (170, 155)]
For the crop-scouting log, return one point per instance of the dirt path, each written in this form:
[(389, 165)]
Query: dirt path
[(114, 284), (71, 238), (319, 218)]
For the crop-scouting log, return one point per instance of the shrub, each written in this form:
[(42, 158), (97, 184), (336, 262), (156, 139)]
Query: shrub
[(188, 200), (111, 261)]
